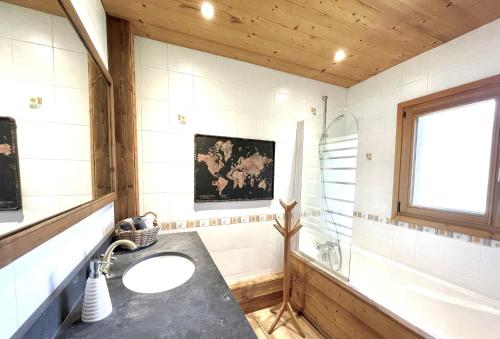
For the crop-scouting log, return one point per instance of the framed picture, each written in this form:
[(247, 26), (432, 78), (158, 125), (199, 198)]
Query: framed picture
[(10, 182), (229, 169)]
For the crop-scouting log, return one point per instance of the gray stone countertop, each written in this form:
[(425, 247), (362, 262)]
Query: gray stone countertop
[(203, 307)]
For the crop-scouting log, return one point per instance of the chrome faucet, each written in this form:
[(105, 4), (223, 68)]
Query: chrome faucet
[(327, 245), (325, 248), (108, 255)]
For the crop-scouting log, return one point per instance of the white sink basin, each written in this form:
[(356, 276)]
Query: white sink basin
[(158, 274)]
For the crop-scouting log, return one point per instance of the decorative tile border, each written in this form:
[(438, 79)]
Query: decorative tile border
[(428, 229), (193, 223)]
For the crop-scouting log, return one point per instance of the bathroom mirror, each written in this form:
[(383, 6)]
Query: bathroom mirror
[(58, 94)]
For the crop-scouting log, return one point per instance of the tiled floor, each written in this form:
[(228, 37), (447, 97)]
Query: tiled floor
[(262, 320)]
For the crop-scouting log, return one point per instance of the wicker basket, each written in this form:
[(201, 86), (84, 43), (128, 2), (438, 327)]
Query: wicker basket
[(141, 238)]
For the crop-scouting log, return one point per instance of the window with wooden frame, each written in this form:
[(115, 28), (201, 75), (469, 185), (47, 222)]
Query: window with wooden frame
[(447, 161)]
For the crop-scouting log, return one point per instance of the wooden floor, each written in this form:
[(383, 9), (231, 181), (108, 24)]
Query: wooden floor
[(262, 320)]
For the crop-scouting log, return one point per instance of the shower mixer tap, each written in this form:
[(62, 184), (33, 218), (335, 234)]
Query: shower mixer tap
[(327, 245), (326, 248)]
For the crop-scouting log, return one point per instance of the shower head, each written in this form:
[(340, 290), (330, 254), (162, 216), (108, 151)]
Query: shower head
[(337, 118), (350, 119)]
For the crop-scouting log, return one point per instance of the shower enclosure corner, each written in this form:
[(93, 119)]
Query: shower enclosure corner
[(330, 147)]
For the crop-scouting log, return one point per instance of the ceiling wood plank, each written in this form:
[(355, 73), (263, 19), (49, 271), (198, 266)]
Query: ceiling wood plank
[(253, 24), (328, 10), (319, 25), (458, 17), (485, 10), (361, 54), (329, 31), (283, 38), (392, 16)]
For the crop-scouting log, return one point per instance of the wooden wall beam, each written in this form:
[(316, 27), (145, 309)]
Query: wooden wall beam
[(259, 293), (121, 68)]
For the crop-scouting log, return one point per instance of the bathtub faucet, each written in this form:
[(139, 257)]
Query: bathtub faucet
[(327, 245)]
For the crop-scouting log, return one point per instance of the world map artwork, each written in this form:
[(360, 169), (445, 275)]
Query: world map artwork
[(228, 169), (10, 182)]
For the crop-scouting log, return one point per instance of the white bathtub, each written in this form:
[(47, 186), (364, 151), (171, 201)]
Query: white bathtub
[(439, 308)]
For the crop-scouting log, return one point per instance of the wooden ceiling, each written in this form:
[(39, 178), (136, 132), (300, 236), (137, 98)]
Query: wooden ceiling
[(301, 36)]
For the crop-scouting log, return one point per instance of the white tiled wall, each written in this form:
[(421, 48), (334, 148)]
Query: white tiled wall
[(218, 96), (244, 250), (29, 280), (470, 57), (41, 55)]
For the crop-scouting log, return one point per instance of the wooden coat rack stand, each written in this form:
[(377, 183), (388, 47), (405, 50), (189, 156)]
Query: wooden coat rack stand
[(287, 232)]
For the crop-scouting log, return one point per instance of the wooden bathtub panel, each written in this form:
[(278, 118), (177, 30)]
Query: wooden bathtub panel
[(259, 293), (338, 310), (332, 312)]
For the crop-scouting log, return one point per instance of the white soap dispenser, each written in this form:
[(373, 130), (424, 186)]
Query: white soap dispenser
[(96, 301)]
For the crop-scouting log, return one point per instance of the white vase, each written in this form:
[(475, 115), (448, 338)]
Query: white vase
[(96, 301)]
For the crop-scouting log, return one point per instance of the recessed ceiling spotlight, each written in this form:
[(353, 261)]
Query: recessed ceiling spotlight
[(339, 55), (207, 10)]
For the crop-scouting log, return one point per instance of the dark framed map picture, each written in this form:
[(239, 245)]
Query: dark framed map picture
[(229, 169), (10, 182)]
